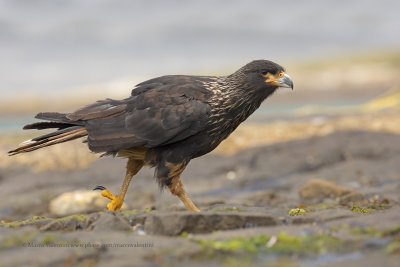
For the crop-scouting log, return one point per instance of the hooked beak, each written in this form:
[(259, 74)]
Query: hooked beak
[(285, 81)]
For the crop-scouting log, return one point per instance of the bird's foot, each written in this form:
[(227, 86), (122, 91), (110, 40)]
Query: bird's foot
[(116, 201)]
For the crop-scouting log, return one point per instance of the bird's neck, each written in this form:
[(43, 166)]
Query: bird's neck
[(233, 102), (240, 99)]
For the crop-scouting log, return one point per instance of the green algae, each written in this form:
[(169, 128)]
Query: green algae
[(147, 210), (184, 234), (371, 231), (393, 247), (80, 217), (379, 206), (34, 219), (309, 244), (362, 210), (236, 243), (127, 213), (364, 231), (16, 224), (280, 244), (19, 239), (371, 207), (297, 211), (48, 238)]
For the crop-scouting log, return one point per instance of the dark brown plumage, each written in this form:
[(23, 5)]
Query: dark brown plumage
[(166, 122)]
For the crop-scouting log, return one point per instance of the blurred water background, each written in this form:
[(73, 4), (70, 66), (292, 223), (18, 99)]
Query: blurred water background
[(61, 54)]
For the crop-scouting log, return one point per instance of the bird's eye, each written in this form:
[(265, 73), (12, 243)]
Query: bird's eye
[(281, 74)]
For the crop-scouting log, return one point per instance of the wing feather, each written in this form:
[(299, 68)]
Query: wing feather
[(159, 113), (100, 109)]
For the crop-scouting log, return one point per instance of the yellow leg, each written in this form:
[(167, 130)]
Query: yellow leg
[(177, 189), (132, 167)]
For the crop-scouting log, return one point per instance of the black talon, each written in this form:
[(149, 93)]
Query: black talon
[(99, 187)]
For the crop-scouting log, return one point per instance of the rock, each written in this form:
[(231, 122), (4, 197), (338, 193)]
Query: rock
[(353, 198), (90, 220), (138, 218), (316, 191), (38, 222), (52, 226), (175, 223), (79, 201), (323, 216), (110, 221), (67, 224)]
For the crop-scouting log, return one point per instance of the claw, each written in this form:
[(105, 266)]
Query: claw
[(115, 203), (105, 192), (99, 187)]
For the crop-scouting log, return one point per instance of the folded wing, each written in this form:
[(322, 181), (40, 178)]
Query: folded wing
[(159, 112)]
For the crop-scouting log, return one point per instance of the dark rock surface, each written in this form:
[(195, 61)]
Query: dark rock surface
[(108, 220), (176, 223)]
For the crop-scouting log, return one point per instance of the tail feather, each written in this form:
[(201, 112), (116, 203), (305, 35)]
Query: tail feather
[(59, 133), (52, 116), (67, 130), (47, 125), (57, 117), (56, 137)]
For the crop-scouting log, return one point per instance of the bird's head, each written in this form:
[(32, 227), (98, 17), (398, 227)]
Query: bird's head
[(266, 75)]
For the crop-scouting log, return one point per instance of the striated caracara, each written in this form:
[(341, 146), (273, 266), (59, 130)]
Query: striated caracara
[(165, 122)]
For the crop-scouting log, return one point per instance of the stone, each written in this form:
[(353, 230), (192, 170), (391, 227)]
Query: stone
[(110, 221), (138, 218), (69, 224), (176, 223), (79, 201), (316, 191), (353, 198)]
